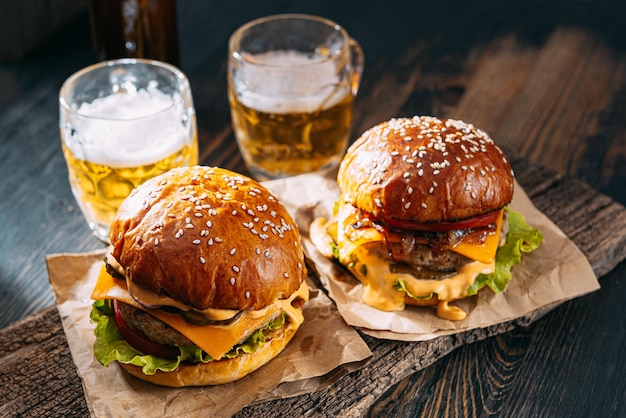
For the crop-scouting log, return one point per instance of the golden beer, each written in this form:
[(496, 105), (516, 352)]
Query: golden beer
[(279, 144), (292, 80), (123, 122), (99, 189)]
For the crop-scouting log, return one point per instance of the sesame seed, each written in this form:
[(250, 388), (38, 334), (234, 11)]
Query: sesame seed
[(232, 281), (247, 294), (473, 194), (189, 226), (435, 172), (210, 241), (420, 172), (197, 215), (202, 260), (266, 253), (236, 269), (209, 224), (204, 233), (406, 175), (187, 220), (431, 190), (378, 202), (424, 205), (232, 251), (410, 190), (156, 241), (258, 251), (285, 275), (234, 212), (407, 205), (218, 239), (196, 241)]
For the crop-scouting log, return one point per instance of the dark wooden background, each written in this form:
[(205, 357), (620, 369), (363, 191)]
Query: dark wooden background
[(547, 79)]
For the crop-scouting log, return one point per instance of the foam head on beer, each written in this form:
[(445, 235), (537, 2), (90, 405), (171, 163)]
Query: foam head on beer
[(114, 134)]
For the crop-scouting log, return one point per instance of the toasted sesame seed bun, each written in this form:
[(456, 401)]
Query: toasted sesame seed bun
[(425, 169), (209, 238)]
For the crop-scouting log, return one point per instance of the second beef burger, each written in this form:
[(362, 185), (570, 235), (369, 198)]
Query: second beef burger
[(422, 213), (204, 281)]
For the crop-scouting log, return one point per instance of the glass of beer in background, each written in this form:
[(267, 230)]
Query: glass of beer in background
[(123, 122), (292, 80)]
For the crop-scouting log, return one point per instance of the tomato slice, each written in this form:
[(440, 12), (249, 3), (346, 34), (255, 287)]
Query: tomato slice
[(474, 222), (139, 340)]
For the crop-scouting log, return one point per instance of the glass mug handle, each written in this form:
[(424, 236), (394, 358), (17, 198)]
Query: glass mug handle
[(356, 61)]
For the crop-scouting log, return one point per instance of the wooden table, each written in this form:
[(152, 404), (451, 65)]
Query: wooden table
[(546, 79)]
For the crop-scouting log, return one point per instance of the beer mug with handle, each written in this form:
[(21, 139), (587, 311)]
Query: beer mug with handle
[(292, 80)]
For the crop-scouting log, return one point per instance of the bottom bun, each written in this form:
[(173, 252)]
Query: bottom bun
[(220, 371)]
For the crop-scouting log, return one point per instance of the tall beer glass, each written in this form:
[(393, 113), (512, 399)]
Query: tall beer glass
[(123, 122), (292, 80)]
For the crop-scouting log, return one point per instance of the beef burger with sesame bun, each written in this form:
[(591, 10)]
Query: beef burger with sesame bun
[(204, 280), (422, 218)]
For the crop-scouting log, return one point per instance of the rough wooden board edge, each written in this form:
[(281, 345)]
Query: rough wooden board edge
[(395, 360), (37, 373)]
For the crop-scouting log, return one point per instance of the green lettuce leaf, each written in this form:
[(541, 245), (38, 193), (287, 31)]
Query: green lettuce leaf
[(111, 346), (520, 239), (257, 339), (400, 285)]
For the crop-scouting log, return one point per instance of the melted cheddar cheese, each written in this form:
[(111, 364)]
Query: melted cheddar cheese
[(215, 340), (379, 282)]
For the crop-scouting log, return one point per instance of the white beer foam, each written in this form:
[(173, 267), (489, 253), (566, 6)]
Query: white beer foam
[(128, 129), (289, 81)]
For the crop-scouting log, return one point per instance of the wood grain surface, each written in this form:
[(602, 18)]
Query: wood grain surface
[(547, 80)]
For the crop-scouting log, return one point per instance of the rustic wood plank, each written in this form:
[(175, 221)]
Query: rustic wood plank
[(37, 374), (499, 76), (575, 75)]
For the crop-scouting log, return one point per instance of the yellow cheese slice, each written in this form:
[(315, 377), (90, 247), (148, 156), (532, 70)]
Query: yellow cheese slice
[(216, 340), (485, 252)]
